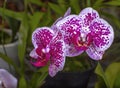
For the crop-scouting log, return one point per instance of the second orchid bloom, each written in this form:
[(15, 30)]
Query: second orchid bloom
[(70, 36), (49, 47)]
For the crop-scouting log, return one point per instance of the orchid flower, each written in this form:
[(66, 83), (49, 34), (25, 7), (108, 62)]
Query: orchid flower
[(86, 32), (7, 80), (48, 47)]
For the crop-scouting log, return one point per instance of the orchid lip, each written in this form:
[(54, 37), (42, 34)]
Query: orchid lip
[(84, 41), (82, 45), (41, 61)]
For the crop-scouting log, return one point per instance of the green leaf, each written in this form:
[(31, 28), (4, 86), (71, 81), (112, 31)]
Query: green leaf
[(49, 18), (88, 3), (99, 71), (12, 14), (56, 8), (98, 4), (35, 20), (100, 83), (9, 61), (23, 38), (22, 82), (37, 2), (23, 32), (33, 80), (38, 77), (75, 5), (34, 23), (14, 25), (63, 4), (117, 81), (112, 72), (113, 3), (114, 19)]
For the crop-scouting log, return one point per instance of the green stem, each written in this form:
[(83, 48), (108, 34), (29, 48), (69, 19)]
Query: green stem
[(42, 78)]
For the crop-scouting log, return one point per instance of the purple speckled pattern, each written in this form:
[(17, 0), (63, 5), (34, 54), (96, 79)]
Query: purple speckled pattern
[(48, 47), (88, 15), (103, 36), (42, 37), (100, 33), (70, 27), (86, 32), (57, 51)]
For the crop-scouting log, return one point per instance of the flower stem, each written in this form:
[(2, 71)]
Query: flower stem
[(42, 78)]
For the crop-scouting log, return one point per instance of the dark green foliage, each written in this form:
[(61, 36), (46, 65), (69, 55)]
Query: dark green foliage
[(14, 25)]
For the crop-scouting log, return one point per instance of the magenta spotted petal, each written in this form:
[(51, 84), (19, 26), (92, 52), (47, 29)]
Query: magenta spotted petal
[(102, 33), (49, 47), (88, 15), (103, 36), (94, 53), (96, 33), (57, 52), (42, 37), (57, 57), (70, 27)]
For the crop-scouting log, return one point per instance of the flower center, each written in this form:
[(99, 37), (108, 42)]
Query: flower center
[(45, 50), (82, 44), (84, 41), (43, 54), (83, 37)]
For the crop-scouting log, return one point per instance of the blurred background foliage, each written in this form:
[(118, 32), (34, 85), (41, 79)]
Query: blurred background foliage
[(37, 13)]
